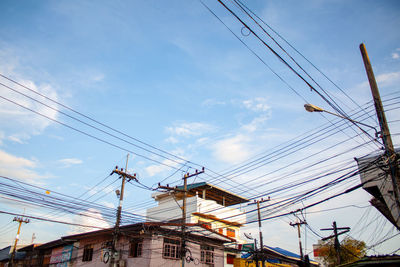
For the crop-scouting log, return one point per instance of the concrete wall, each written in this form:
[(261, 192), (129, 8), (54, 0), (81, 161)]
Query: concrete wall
[(169, 209), (152, 253)]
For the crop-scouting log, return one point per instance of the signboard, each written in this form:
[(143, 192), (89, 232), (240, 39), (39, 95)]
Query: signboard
[(61, 256), (319, 250), (248, 247)]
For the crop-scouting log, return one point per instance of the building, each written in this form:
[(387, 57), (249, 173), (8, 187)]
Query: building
[(207, 205), (275, 256), (142, 244), (5, 255), (376, 179)]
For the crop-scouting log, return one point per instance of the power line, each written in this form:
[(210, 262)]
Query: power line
[(50, 220), (91, 119), (87, 134)]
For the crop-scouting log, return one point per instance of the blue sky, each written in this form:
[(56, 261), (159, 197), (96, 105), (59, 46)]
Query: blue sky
[(171, 75)]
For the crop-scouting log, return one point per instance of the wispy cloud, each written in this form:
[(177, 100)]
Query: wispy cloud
[(155, 169), (212, 102), (188, 129), (384, 79), (69, 162), (388, 78), (396, 54), (171, 140), (98, 77), (19, 123), (20, 138), (256, 123), (258, 104)]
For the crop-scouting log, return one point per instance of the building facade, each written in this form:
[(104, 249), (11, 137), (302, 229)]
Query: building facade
[(206, 205), (143, 244)]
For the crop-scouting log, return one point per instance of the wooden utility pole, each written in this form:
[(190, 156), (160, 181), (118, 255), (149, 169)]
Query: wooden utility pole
[(298, 224), (385, 133), (20, 220), (124, 175), (336, 236), (260, 228), (184, 191)]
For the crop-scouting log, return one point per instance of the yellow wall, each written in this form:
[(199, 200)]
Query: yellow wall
[(242, 263)]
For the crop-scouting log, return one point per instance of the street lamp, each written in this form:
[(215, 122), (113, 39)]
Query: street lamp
[(313, 108)]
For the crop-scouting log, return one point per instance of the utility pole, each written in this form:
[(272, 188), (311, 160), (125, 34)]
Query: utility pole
[(33, 237), (336, 236), (298, 224), (124, 175), (20, 220), (385, 133), (184, 191), (260, 227)]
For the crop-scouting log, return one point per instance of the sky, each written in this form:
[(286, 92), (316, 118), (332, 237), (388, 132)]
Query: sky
[(169, 76)]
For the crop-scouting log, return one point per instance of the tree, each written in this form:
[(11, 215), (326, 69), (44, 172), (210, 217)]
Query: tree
[(350, 250)]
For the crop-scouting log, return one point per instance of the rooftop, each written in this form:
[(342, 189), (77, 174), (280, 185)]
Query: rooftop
[(212, 192)]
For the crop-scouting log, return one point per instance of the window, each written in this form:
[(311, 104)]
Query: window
[(171, 248), (135, 248), (230, 258), (87, 253), (230, 232), (207, 254)]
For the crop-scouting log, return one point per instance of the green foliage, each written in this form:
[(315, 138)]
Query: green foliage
[(350, 250)]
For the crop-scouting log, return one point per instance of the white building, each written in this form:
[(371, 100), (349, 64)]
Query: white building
[(207, 205)]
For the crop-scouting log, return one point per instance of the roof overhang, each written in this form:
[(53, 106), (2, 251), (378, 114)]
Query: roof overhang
[(215, 218)]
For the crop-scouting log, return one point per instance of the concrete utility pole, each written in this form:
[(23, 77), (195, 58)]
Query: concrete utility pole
[(20, 220), (385, 133), (336, 236), (124, 176), (298, 224), (184, 191), (260, 228)]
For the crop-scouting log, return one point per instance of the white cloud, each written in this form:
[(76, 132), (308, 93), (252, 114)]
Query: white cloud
[(18, 167), (232, 150), (15, 162), (388, 78), (258, 104), (255, 124), (19, 124), (108, 204), (90, 217), (159, 168), (172, 140), (2, 136), (70, 161), (384, 79), (395, 55), (188, 129)]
